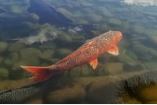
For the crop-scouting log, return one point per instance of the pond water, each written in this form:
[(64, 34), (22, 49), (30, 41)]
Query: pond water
[(40, 33)]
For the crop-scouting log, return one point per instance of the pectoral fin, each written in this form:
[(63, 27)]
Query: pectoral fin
[(113, 50), (94, 63)]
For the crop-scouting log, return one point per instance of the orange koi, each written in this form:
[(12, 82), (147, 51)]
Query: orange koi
[(86, 54)]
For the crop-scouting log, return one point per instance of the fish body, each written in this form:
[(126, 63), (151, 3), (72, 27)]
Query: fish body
[(86, 54)]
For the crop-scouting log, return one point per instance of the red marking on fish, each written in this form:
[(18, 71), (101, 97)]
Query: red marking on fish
[(86, 54)]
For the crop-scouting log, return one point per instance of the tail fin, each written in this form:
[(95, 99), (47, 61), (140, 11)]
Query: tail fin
[(39, 73)]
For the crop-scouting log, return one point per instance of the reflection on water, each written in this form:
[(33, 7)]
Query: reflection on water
[(141, 2), (31, 41)]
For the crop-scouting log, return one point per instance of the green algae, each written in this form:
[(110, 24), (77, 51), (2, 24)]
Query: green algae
[(69, 94)]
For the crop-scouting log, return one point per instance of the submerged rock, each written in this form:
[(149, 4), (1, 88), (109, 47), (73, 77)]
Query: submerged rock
[(63, 52), (126, 99), (114, 68), (115, 21), (4, 74), (97, 89), (17, 46), (3, 46), (148, 93), (47, 54), (35, 101), (1, 59), (29, 56), (69, 94), (127, 57), (13, 84)]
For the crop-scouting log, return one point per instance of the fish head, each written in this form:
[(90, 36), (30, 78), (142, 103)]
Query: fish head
[(111, 40), (111, 37), (117, 36)]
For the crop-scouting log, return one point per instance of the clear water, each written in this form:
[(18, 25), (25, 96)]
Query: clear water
[(42, 32)]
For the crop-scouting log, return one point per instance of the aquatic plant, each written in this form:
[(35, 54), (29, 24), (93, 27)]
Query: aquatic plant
[(139, 90), (29, 56)]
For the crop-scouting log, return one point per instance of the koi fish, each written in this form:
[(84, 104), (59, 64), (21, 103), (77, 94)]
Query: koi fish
[(86, 54)]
